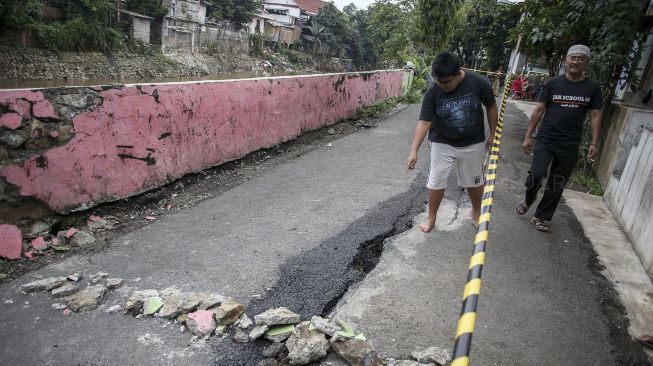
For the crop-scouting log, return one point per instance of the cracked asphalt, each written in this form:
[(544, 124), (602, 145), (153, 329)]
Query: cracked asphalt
[(303, 233)]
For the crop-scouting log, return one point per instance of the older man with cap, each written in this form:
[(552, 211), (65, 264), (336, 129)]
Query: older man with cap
[(564, 101)]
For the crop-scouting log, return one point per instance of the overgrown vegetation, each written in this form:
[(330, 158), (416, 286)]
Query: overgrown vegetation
[(378, 109), (589, 180)]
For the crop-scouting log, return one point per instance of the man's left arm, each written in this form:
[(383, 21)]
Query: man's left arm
[(492, 119), (595, 126)]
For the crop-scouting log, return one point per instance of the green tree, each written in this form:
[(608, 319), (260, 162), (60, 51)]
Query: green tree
[(330, 25), (436, 20), (392, 28), (239, 12), (152, 8), (484, 27), (19, 15)]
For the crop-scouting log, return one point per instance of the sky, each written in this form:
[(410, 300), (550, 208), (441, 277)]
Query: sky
[(361, 4)]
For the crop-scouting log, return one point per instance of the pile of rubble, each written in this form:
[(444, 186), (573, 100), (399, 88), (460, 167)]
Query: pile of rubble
[(294, 342)]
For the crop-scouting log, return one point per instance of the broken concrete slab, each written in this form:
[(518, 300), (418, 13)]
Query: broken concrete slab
[(113, 282), (114, 309), (208, 300), (268, 362), (306, 345), (81, 239), (65, 290), (258, 331), (11, 242), (201, 322), (325, 326), (135, 302), (244, 322), (229, 311), (39, 243), (240, 336), (179, 302), (97, 277), (45, 284), (439, 355), (357, 352), (87, 299), (407, 363), (276, 316)]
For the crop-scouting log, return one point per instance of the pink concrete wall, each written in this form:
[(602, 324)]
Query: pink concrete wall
[(140, 137)]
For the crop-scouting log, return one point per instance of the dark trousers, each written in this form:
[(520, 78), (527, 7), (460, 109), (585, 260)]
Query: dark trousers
[(560, 162)]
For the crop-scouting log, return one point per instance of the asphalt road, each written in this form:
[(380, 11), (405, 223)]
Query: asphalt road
[(302, 233)]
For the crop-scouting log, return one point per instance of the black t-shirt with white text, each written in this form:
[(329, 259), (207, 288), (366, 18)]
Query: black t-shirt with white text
[(567, 103), (457, 117)]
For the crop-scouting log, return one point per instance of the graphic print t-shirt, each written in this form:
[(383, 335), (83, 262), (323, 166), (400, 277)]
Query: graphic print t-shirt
[(567, 104), (457, 117)]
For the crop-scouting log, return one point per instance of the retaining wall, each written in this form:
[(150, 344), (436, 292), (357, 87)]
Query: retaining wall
[(73, 148)]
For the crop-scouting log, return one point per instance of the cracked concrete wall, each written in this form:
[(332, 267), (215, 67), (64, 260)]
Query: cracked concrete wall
[(73, 148)]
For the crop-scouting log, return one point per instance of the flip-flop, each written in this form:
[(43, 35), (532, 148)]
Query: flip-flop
[(521, 208), (539, 224)]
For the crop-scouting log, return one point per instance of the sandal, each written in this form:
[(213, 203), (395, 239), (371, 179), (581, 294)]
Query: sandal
[(539, 224), (521, 208)]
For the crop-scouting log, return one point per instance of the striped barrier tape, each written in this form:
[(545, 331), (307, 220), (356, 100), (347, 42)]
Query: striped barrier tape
[(467, 320)]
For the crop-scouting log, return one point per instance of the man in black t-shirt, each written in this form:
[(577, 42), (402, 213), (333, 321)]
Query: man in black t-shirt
[(452, 115), (564, 101)]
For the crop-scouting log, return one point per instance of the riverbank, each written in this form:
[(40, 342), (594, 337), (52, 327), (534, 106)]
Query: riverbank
[(37, 68)]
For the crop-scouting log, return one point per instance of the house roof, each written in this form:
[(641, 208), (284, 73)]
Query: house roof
[(311, 6), (288, 3), (137, 15)]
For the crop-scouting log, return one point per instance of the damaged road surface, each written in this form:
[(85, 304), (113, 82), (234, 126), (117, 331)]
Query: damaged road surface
[(297, 237)]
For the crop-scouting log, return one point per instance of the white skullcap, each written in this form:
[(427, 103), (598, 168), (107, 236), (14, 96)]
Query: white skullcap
[(579, 48)]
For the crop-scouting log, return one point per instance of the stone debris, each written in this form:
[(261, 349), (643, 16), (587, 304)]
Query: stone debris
[(276, 316), (135, 302), (11, 242), (114, 309), (357, 352), (201, 322), (58, 306), (258, 331), (244, 322), (97, 277), (38, 228), (306, 345), (331, 131), (229, 311), (81, 239), (39, 243), (152, 304), (325, 326), (87, 299), (240, 336), (9, 302), (75, 277), (179, 302), (273, 350), (268, 362), (208, 300), (65, 290), (439, 355), (279, 333), (66, 312), (113, 282), (45, 284), (97, 223), (70, 232), (407, 363)]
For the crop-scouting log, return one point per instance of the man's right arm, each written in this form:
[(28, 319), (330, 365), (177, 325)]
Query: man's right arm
[(532, 125), (420, 132)]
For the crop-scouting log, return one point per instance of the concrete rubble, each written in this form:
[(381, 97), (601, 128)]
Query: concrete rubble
[(205, 314), (276, 316), (438, 355), (87, 299), (306, 345)]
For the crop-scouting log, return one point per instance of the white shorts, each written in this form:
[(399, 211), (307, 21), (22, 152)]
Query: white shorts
[(469, 163)]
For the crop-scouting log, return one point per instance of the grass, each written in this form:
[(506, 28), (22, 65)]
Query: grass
[(589, 180)]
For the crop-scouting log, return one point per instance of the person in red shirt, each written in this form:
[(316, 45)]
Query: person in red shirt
[(516, 87)]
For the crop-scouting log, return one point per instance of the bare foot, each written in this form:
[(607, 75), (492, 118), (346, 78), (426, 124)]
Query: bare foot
[(427, 226), (474, 217)]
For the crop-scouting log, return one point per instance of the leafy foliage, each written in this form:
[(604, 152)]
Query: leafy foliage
[(330, 25), (152, 8), (19, 15), (239, 12), (436, 21)]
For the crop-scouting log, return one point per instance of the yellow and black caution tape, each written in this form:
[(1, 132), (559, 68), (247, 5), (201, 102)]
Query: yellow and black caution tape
[(467, 320)]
